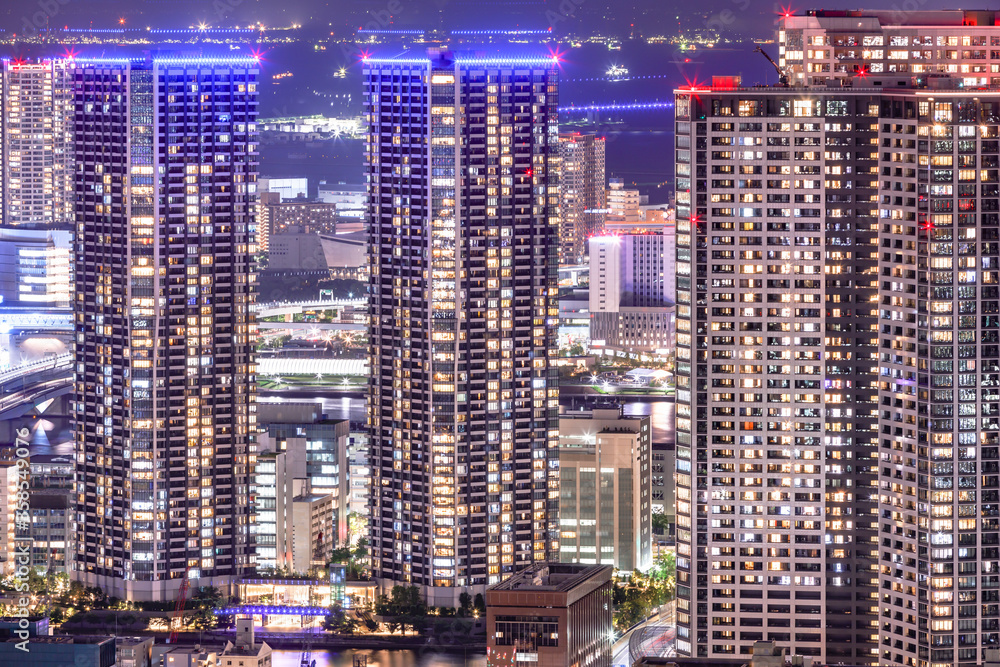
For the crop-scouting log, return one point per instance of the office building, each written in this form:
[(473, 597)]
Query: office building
[(294, 527), (552, 615), (604, 489), (285, 188), (632, 292), (463, 406), (663, 500), (36, 136), (37, 269), (301, 486), (51, 529), (359, 462), (777, 388), (296, 250), (582, 194), (164, 379)]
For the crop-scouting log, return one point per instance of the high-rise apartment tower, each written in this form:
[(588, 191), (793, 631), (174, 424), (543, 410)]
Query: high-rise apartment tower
[(36, 143), (838, 356), (582, 194), (166, 154), (463, 404)]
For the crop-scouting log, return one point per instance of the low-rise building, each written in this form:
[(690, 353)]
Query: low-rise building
[(59, 651), (134, 651), (184, 656), (605, 491), (551, 615), (245, 652)]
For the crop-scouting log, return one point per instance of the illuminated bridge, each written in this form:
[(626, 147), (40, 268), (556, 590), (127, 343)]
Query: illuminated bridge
[(53, 320), (625, 106), (26, 386)]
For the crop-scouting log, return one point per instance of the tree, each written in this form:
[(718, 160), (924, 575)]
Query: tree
[(480, 604), (660, 523), (209, 596), (664, 574), (464, 604), (334, 619)]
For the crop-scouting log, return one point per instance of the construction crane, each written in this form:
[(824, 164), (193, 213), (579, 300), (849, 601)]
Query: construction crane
[(178, 616), (782, 77)]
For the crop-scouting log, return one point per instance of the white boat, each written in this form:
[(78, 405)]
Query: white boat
[(617, 73)]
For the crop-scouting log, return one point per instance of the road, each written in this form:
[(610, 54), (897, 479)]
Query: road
[(662, 645)]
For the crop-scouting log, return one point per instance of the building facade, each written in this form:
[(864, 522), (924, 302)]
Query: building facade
[(10, 480), (463, 406), (623, 203), (777, 393), (165, 191), (582, 194), (301, 485), (36, 135), (845, 47), (604, 489), (552, 615), (37, 268), (632, 289)]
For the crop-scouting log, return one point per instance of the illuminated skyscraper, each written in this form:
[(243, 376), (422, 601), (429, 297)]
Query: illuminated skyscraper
[(582, 193), (37, 143), (166, 155), (463, 405), (838, 369), (777, 371)]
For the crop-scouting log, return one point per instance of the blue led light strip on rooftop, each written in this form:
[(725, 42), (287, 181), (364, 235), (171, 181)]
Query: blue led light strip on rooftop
[(168, 61), (471, 61)]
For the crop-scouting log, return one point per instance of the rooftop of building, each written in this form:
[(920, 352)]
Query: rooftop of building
[(192, 650), (133, 641), (312, 497), (245, 649), (561, 577), (928, 17), (446, 58), (66, 639), (158, 60), (930, 85)]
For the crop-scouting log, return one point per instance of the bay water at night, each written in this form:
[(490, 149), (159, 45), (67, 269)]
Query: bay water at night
[(639, 142)]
